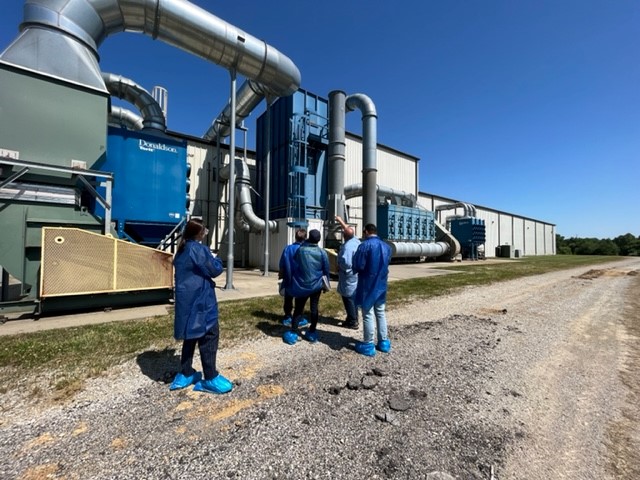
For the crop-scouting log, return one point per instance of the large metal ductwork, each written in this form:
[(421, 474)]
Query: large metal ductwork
[(248, 96), (123, 116), (469, 210), (126, 89), (336, 158), (243, 190), (359, 101), (356, 190), (409, 249), (339, 103), (61, 39)]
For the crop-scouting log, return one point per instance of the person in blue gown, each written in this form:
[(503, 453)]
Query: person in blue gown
[(196, 311), (371, 263)]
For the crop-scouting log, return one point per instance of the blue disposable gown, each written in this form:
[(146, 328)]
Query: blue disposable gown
[(196, 306), (371, 263), (287, 262), (347, 278), (307, 267)]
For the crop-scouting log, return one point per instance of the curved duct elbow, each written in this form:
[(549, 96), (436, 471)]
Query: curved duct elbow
[(249, 95), (61, 38), (126, 89), (243, 192), (127, 118), (369, 152)]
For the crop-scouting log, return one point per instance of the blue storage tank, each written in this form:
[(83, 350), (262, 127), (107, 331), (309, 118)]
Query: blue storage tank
[(298, 141), (149, 196)]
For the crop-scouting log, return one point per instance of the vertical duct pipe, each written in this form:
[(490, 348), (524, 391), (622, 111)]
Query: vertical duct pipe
[(336, 160), (232, 182), (369, 151)]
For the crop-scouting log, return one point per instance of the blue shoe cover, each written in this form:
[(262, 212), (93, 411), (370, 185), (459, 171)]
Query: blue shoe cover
[(311, 336), (290, 337), (180, 381), (302, 323), (365, 348), (218, 384), (384, 346)]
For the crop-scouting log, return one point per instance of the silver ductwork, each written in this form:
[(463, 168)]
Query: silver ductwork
[(356, 190), (122, 116), (339, 104), (369, 153), (336, 159), (243, 192), (61, 39), (469, 210), (126, 89), (248, 96), (407, 249)]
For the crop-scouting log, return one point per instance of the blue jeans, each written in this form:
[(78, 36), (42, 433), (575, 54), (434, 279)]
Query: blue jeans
[(351, 310), (372, 318)]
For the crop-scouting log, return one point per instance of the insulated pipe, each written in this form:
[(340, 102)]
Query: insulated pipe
[(125, 117), (336, 158), (248, 96), (406, 249), (469, 210), (355, 190), (127, 89), (243, 190), (61, 38), (369, 150)]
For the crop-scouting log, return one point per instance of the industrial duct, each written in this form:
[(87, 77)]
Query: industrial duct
[(410, 249), (339, 103), (248, 96), (469, 210), (243, 191), (356, 190), (122, 116), (61, 39), (126, 89), (369, 151)]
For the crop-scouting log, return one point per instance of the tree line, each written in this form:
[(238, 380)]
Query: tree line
[(624, 245)]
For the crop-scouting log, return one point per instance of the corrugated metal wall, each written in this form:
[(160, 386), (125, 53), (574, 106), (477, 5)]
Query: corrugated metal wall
[(528, 236), (395, 170)]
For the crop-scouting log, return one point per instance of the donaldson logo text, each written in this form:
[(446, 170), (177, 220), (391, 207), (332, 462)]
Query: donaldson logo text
[(150, 147)]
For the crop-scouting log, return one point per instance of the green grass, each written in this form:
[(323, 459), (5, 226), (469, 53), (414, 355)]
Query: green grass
[(82, 352)]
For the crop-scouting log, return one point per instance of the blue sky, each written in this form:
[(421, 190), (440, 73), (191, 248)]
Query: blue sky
[(529, 106)]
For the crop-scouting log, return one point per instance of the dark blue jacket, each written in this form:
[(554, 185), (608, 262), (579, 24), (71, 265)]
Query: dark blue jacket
[(196, 306), (307, 267), (287, 262), (371, 263)]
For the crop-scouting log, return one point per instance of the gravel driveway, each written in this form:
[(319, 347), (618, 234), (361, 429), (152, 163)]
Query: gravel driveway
[(528, 379)]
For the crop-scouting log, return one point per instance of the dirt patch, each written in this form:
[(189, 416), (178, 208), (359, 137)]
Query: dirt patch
[(610, 272), (624, 438)]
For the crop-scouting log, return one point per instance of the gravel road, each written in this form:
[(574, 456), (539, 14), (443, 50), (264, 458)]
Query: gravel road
[(528, 379)]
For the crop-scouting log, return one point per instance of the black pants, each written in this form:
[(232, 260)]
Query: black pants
[(288, 305), (208, 345), (299, 310)]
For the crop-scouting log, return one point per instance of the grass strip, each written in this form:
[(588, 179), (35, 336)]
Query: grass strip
[(82, 352)]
